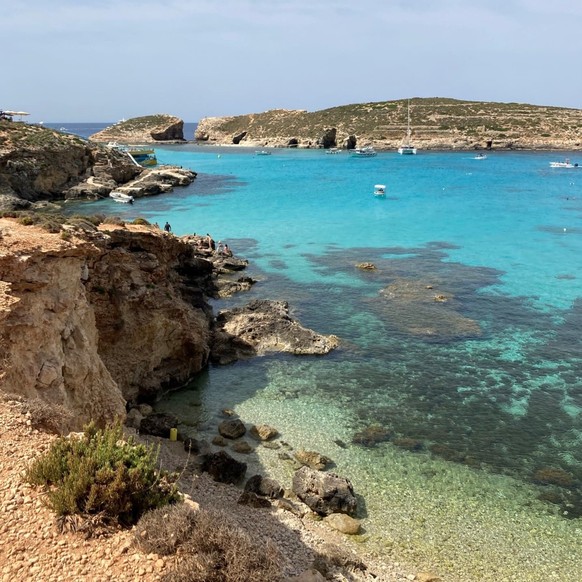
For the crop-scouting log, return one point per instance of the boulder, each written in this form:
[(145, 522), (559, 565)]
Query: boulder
[(223, 468), (263, 432), (158, 424), (324, 493), (312, 459), (233, 428), (253, 500), (343, 523), (264, 486), (242, 447), (264, 326)]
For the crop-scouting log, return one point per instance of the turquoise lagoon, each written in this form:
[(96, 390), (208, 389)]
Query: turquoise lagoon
[(487, 384)]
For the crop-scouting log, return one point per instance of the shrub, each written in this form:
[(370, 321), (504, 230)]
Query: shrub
[(53, 418), (162, 530), (218, 551), (141, 221), (101, 474), (26, 220)]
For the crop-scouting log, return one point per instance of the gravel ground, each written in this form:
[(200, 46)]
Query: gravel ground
[(31, 548)]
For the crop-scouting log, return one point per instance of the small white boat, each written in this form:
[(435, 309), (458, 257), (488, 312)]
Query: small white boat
[(333, 151), (121, 197), (380, 190), (565, 164), (365, 152), (262, 153), (480, 157)]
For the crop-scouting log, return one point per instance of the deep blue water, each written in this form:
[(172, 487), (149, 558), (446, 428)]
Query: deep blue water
[(490, 378)]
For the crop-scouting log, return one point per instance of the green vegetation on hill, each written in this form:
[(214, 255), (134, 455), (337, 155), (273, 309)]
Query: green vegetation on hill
[(432, 119)]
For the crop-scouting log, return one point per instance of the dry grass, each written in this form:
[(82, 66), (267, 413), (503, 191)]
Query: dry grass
[(216, 550)]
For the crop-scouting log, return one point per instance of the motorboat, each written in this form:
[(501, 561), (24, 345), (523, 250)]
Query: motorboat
[(121, 197), (262, 153), (565, 164), (480, 157), (143, 156), (380, 190), (365, 152), (333, 151), (406, 149)]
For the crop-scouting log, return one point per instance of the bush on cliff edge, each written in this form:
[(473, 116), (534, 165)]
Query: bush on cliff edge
[(101, 474)]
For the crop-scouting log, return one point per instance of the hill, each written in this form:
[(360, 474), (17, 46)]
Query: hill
[(147, 129), (436, 123)]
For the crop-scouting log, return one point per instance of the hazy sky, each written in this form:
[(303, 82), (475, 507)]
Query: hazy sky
[(103, 60)]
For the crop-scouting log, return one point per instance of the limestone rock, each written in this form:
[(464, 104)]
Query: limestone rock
[(146, 129), (232, 428), (324, 493), (223, 468), (343, 523), (264, 486), (261, 327), (312, 459), (263, 432)]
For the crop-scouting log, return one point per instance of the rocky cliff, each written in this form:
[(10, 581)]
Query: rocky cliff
[(93, 318), (38, 164), (437, 124), (147, 129), (100, 318)]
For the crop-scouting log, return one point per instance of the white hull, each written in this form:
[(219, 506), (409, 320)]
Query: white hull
[(406, 150), (121, 197), (367, 152)]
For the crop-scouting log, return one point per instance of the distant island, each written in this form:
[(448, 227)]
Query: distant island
[(436, 123), (156, 128)]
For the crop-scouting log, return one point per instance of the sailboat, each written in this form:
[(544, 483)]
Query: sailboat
[(407, 149)]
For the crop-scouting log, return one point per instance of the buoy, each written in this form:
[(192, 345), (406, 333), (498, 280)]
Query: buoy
[(173, 434)]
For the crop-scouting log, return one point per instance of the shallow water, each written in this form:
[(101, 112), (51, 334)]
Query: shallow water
[(487, 379)]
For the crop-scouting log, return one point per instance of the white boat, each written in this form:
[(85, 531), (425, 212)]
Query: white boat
[(480, 157), (121, 197), (380, 190), (365, 152), (262, 153), (406, 149), (333, 151), (565, 164)]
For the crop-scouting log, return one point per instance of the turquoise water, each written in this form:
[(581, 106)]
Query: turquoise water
[(488, 382)]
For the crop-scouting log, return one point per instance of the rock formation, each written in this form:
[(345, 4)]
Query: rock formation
[(91, 319), (38, 165), (437, 124), (261, 327), (147, 129)]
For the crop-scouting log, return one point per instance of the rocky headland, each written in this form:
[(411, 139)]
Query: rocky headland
[(147, 129), (39, 165), (436, 123), (95, 317)]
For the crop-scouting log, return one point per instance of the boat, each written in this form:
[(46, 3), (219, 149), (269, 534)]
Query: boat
[(365, 152), (262, 153), (143, 156), (333, 151), (406, 149), (380, 190), (565, 164), (480, 157), (121, 197)]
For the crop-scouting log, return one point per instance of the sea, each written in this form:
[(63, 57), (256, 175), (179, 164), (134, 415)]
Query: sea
[(454, 401)]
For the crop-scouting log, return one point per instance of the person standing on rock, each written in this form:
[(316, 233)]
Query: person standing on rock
[(167, 227)]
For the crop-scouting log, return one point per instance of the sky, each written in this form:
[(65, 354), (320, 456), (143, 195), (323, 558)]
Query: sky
[(104, 60)]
